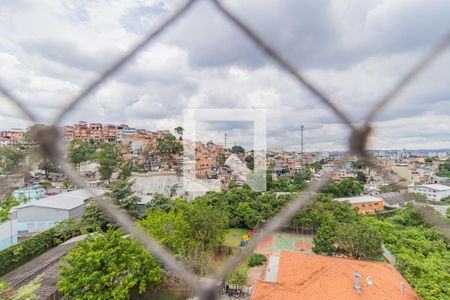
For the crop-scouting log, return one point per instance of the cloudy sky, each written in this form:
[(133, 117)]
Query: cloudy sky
[(353, 50)]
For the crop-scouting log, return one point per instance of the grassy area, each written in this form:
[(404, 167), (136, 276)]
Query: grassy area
[(233, 236), (241, 269)]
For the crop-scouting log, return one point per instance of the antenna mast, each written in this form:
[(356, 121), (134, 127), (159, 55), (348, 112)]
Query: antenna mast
[(301, 145)]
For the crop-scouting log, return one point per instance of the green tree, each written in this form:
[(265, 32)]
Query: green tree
[(237, 149), (359, 164), (160, 202), (444, 169), (358, 240), (169, 146), (247, 216), (173, 190), (323, 210), (10, 159), (285, 184), (45, 183), (80, 151), (121, 194), (302, 176), (422, 254), (355, 239), (250, 162), (244, 207), (125, 170), (107, 266), (207, 224), (48, 167), (324, 241), (346, 188), (6, 203), (66, 229), (108, 158), (361, 177), (171, 229), (237, 277), (93, 218), (256, 260), (316, 165), (179, 130)]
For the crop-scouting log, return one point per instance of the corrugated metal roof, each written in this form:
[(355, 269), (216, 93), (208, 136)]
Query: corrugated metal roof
[(64, 201), (360, 199)]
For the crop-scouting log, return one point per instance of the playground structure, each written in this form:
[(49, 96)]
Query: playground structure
[(246, 237)]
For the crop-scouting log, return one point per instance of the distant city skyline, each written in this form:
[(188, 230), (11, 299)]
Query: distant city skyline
[(231, 141)]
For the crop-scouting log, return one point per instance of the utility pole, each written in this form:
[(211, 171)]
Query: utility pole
[(225, 148), (301, 146)]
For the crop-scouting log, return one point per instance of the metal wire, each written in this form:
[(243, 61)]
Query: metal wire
[(51, 142)]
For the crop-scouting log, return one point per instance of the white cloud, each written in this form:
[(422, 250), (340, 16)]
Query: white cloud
[(353, 50)]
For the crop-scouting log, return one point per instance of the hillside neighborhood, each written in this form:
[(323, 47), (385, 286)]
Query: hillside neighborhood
[(225, 149), (141, 172)]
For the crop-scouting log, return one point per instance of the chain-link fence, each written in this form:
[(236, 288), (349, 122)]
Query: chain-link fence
[(51, 144)]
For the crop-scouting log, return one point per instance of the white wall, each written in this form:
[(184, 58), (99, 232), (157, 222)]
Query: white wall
[(40, 214), (430, 193), (8, 233)]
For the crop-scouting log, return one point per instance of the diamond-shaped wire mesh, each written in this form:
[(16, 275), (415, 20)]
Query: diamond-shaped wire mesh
[(51, 144)]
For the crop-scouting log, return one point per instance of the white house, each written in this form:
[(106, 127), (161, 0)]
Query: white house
[(37, 216), (4, 142), (434, 192)]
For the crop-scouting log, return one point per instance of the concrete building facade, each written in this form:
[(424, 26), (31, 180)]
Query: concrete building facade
[(434, 192)]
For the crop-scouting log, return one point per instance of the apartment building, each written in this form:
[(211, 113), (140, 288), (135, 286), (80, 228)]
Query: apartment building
[(109, 132), (408, 173), (365, 204), (434, 192), (96, 132), (11, 137), (5, 142), (82, 131), (68, 133)]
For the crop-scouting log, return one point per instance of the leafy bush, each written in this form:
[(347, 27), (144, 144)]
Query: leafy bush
[(238, 277), (256, 260), (20, 253), (107, 266), (423, 256)]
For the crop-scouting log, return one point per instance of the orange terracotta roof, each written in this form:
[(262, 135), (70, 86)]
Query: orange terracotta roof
[(309, 276)]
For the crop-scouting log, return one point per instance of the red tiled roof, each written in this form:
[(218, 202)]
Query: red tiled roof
[(309, 276)]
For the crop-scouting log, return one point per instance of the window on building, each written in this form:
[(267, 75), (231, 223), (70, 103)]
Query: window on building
[(42, 227)]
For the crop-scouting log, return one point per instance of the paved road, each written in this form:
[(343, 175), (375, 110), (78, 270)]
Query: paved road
[(46, 263)]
